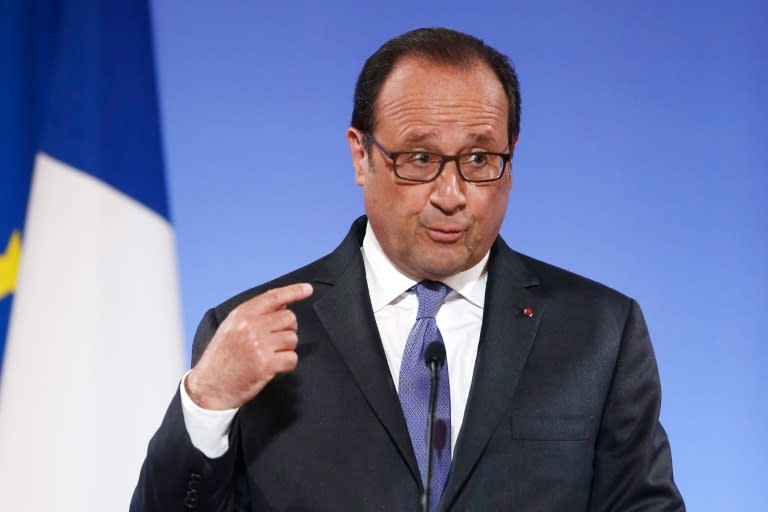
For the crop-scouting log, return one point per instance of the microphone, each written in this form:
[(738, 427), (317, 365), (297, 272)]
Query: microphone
[(434, 358), (435, 354)]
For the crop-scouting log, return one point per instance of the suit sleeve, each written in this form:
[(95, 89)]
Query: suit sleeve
[(176, 475), (633, 461)]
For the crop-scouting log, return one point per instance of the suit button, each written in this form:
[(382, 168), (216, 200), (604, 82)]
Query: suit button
[(191, 502)]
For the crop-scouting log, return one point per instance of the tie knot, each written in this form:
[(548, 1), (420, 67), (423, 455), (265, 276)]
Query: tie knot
[(431, 295)]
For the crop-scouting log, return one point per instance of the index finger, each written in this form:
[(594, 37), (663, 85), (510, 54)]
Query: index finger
[(278, 298)]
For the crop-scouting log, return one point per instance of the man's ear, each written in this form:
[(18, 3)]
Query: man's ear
[(359, 157)]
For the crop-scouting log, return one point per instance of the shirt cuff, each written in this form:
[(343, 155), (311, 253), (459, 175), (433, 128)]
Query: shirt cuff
[(207, 429)]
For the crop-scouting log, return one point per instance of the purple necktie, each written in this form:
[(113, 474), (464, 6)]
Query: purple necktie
[(415, 380)]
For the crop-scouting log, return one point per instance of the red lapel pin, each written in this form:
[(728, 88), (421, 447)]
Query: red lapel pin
[(528, 312)]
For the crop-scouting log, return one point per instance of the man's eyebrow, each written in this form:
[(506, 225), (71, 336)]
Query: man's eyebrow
[(419, 138), (480, 138)]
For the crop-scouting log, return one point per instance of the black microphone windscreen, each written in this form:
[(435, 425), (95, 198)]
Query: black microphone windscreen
[(435, 352)]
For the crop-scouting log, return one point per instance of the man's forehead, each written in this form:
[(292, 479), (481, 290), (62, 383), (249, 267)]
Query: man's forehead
[(421, 97), (406, 65), (417, 80)]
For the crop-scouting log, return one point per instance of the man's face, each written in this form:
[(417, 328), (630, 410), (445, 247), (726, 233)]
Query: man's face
[(436, 229)]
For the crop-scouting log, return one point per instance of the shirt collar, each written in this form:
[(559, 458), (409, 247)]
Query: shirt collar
[(386, 283)]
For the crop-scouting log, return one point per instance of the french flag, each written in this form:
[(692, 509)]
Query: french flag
[(94, 343)]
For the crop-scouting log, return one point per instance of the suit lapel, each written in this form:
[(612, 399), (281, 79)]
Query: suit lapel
[(345, 312), (505, 341)]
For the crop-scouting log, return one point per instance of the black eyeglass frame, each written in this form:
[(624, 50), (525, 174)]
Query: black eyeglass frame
[(392, 155)]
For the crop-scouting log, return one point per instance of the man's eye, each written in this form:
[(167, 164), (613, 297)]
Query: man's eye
[(476, 158), (419, 158)]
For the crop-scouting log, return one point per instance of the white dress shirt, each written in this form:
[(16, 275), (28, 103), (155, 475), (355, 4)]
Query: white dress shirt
[(459, 319), (394, 307)]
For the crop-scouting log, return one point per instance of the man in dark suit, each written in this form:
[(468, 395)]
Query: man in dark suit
[(310, 392)]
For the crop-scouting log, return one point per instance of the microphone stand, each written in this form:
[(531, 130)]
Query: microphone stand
[(435, 358)]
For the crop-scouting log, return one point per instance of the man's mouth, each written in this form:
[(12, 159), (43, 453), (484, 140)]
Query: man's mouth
[(445, 234)]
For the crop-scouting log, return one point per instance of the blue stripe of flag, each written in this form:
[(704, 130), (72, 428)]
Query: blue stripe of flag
[(102, 110)]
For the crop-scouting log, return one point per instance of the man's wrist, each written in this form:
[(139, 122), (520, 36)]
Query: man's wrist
[(207, 428)]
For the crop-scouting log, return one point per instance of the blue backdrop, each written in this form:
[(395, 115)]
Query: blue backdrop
[(642, 164)]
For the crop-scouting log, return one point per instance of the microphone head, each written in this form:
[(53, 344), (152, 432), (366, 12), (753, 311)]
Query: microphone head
[(435, 352)]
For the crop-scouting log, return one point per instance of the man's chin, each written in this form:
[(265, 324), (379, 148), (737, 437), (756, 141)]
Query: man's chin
[(436, 267)]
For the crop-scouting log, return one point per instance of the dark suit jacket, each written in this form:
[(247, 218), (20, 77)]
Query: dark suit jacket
[(562, 413)]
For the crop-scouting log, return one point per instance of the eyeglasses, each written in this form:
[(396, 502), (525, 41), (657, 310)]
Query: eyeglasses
[(423, 166)]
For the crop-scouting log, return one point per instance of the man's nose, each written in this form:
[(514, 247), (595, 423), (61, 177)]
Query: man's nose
[(448, 193)]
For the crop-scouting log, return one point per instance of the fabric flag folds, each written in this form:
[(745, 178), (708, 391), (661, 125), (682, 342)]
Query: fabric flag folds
[(94, 344)]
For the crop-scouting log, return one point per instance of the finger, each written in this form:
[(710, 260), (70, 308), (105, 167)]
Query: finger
[(285, 361), (278, 341), (281, 320), (277, 298), (268, 363)]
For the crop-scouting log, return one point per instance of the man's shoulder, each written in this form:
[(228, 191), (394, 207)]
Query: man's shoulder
[(317, 273), (559, 283), (307, 273), (570, 298)]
